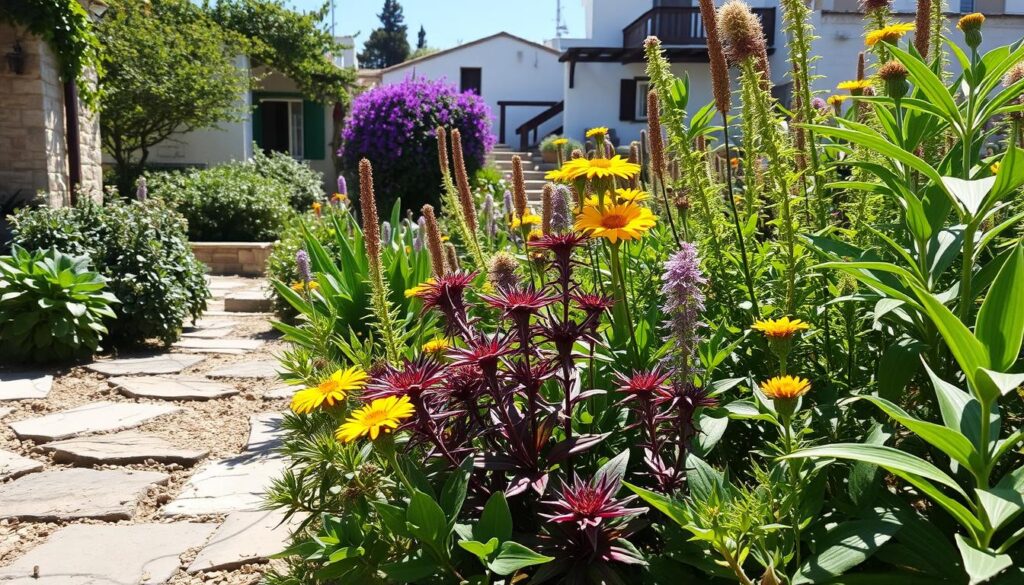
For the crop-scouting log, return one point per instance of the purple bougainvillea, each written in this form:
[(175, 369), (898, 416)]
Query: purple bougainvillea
[(394, 127)]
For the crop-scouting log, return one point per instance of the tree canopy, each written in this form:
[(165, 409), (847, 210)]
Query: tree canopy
[(421, 39), (169, 68), (389, 44)]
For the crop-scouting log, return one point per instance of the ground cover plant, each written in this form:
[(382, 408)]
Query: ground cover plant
[(784, 347)]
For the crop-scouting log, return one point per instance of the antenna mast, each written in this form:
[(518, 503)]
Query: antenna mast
[(560, 28)]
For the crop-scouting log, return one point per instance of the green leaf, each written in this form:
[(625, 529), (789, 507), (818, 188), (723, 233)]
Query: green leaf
[(514, 556), (453, 494), (929, 84), (1000, 323), (981, 565), (393, 518), (971, 194), (346, 552), (991, 385), (967, 350), (480, 550), (897, 367), (846, 546), (410, 570), (949, 441), (1002, 504), (960, 411), (661, 503), (703, 479), (495, 521), (427, 520)]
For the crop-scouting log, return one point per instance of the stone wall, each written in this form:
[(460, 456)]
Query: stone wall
[(241, 258), (33, 147)]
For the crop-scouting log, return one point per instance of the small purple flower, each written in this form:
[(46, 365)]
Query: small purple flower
[(385, 232), (342, 185), (302, 265), (682, 286), (421, 228), (508, 203), (561, 217), (820, 105), (141, 191), (490, 227)]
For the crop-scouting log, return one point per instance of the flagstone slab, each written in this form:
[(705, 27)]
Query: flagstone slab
[(172, 388), (24, 385), (13, 465), (230, 485), (5, 411), (248, 301), (282, 392), (207, 332), (101, 554), (94, 417), (225, 346), (120, 449), (251, 369), (168, 363), (244, 538), (76, 493), (265, 433)]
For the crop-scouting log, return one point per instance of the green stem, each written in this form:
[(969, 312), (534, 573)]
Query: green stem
[(619, 284), (967, 272), (736, 221)]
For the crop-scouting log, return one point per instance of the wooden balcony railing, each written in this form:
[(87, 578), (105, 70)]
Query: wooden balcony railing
[(682, 27)]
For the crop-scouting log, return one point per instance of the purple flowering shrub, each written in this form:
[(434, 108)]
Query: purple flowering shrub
[(394, 127)]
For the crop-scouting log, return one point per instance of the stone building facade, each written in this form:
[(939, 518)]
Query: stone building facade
[(33, 128)]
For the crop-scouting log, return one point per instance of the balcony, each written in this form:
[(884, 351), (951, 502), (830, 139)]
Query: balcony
[(683, 28)]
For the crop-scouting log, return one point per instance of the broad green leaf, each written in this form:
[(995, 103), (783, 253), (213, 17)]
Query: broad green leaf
[(960, 411), (514, 556), (981, 565), (495, 520), (1002, 504), (846, 546), (661, 503), (480, 550), (427, 520), (1000, 323), (898, 366), (949, 441), (702, 478), (453, 494), (929, 84), (410, 570), (970, 194), (967, 350)]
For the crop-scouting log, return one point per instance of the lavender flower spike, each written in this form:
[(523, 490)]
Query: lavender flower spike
[(682, 287), (508, 203), (385, 232), (302, 265), (342, 185), (421, 228), (561, 217)]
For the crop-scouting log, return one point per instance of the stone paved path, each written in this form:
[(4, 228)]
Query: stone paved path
[(146, 468)]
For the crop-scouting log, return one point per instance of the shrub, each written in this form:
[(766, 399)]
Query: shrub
[(394, 127), (52, 306), (303, 184), (142, 251), (228, 203)]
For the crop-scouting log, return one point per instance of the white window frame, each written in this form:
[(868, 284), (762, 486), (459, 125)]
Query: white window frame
[(642, 87)]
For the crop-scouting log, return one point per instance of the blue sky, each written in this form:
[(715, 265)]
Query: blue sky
[(451, 22)]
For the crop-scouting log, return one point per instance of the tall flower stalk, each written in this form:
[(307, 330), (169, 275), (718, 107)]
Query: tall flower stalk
[(384, 317)]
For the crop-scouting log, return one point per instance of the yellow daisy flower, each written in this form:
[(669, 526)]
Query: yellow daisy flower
[(534, 235), (419, 288), (600, 168), (617, 222), (379, 417), (332, 390), (995, 167), (560, 141), (854, 85), (631, 195), (317, 206), (785, 387), (599, 131), (971, 21), (890, 34), (436, 345), (783, 328), (837, 100), (529, 218), (302, 287), (557, 175)]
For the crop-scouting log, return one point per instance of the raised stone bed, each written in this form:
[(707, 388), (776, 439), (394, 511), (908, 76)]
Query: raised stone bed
[(241, 258)]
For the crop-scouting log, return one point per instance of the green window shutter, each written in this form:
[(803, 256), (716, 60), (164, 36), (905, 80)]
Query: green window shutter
[(257, 121), (313, 131)]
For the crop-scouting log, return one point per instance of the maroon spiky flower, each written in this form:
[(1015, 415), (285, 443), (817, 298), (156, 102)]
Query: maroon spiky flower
[(516, 302), (588, 503), (447, 294), (412, 379), (646, 384), (483, 351)]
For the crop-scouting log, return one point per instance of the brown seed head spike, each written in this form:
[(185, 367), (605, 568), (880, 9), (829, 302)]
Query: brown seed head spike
[(442, 150), (860, 66), (368, 205), (518, 186), (873, 5), (654, 134), (743, 35), (434, 243), (451, 256), (502, 271), (716, 57), (576, 153), (923, 28), (545, 214), (462, 180)]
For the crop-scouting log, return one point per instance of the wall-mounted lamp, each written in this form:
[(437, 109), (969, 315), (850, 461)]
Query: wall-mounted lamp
[(16, 59)]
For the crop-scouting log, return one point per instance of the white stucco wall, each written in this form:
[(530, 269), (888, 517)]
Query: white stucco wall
[(510, 70)]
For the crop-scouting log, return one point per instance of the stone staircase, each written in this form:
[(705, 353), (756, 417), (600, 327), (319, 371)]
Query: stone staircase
[(533, 170)]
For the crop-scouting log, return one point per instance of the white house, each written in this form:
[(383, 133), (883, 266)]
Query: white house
[(280, 120), (605, 82), (520, 80)]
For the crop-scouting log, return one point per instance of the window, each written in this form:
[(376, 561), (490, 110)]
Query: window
[(966, 5), (642, 87), (470, 79), (281, 127)]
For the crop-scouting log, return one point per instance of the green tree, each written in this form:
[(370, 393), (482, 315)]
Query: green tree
[(169, 69), (296, 44), (387, 45), (421, 39)]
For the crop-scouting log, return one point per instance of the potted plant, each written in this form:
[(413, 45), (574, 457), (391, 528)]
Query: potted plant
[(551, 144)]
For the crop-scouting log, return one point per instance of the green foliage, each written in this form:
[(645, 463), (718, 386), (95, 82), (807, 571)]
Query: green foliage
[(296, 44), (67, 27), (303, 184), (143, 253), (233, 202), (548, 145), (169, 69), (52, 306), (389, 44)]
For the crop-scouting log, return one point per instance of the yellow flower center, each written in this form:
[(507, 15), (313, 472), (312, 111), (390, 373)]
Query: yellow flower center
[(614, 221), (374, 417), (602, 163), (328, 386)]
